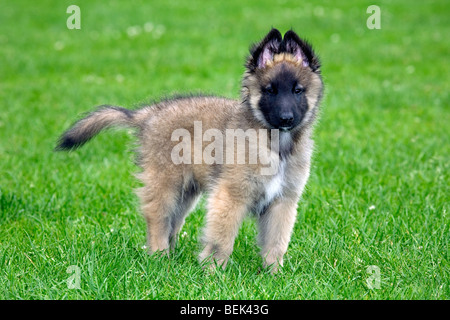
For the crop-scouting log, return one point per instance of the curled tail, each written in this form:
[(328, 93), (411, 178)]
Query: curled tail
[(104, 117)]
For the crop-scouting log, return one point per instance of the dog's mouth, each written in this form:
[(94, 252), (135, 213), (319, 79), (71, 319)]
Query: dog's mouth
[(285, 129)]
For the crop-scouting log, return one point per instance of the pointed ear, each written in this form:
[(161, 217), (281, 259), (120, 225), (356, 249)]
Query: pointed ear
[(264, 51), (301, 50)]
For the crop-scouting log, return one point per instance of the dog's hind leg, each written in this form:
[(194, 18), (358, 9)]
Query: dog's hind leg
[(159, 205), (187, 201)]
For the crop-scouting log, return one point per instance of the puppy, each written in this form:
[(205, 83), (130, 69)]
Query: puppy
[(250, 155)]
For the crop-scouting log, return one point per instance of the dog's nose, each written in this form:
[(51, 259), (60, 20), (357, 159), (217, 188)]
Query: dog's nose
[(286, 119)]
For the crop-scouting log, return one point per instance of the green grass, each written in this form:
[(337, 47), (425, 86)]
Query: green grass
[(378, 194)]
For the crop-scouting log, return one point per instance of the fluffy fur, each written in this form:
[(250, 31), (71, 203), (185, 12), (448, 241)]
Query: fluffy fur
[(281, 89)]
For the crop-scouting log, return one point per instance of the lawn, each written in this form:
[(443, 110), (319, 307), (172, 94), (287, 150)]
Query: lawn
[(377, 203)]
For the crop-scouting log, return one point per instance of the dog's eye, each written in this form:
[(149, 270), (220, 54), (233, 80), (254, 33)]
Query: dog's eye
[(299, 90), (270, 90)]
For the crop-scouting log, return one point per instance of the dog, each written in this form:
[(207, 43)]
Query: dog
[(251, 155)]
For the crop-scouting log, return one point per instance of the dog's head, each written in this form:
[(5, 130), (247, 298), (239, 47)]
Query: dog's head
[(282, 83)]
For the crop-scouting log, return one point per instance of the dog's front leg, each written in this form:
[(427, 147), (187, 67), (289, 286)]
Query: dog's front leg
[(275, 229), (226, 210)]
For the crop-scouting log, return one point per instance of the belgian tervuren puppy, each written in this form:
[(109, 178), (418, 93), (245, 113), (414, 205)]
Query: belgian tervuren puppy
[(250, 155)]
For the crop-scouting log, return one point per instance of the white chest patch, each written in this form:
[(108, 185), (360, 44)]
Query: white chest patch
[(273, 188), (275, 185)]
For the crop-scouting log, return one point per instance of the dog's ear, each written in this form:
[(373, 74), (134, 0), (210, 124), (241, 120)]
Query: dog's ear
[(263, 52), (301, 50)]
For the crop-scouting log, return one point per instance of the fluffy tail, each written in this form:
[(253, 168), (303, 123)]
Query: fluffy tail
[(104, 117)]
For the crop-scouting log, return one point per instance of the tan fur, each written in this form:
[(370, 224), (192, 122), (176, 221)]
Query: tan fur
[(284, 57), (170, 191), (232, 192)]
